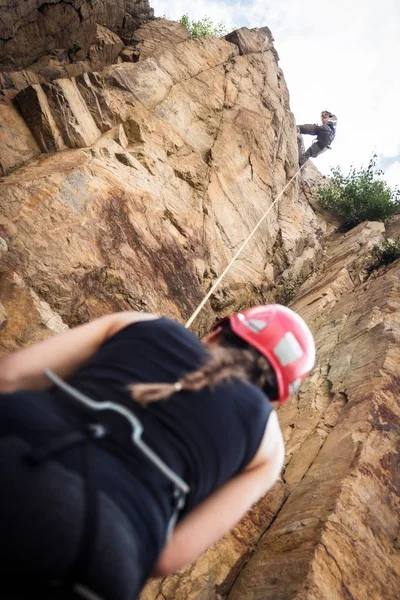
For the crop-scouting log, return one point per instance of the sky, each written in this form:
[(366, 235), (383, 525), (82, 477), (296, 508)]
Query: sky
[(336, 55)]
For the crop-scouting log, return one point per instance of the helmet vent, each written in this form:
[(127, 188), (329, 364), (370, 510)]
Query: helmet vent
[(255, 325), (288, 350), (294, 386)]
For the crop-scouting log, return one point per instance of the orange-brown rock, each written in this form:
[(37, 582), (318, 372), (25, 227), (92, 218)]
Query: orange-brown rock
[(123, 17), (147, 215), (59, 63), (58, 116), (157, 35), (105, 49), (24, 317), (250, 41), (31, 29), (17, 144), (329, 528), (335, 536)]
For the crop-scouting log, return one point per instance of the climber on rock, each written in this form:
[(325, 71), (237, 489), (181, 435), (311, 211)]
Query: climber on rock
[(88, 506), (325, 134)]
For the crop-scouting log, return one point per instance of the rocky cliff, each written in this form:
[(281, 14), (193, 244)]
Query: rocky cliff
[(31, 29), (330, 528), (133, 187), (129, 179)]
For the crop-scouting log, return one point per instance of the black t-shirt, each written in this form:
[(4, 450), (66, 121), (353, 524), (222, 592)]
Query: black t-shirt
[(207, 437)]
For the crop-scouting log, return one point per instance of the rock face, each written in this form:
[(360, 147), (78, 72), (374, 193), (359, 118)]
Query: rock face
[(166, 165), (156, 36), (30, 29), (17, 144), (248, 41), (123, 16), (342, 474), (337, 504), (58, 116), (133, 187)]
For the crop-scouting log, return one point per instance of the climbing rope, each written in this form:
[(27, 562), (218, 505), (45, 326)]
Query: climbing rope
[(246, 241)]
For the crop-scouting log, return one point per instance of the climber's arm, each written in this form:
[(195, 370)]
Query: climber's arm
[(63, 353), (221, 511)]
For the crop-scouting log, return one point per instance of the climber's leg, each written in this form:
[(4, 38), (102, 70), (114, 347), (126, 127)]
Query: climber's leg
[(301, 149), (313, 151), (310, 129)]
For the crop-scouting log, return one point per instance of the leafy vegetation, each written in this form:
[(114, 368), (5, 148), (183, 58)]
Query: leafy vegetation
[(384, 253), (203, 27), (286, 291), (362, 195)]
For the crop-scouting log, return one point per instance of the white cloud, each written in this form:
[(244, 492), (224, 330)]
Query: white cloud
[(340, 55), (393, 174)]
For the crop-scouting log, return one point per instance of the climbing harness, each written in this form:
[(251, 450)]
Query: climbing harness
[(93, 432), (181, 488), (246, 241)]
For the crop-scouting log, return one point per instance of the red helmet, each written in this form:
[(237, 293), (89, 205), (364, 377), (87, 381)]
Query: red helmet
[(283, 338)]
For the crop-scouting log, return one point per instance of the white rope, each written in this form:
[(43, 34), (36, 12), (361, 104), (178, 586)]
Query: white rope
[(246, 241)]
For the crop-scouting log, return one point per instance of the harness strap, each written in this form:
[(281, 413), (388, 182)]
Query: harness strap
[(56, 446), (61, 442), (91, 517)]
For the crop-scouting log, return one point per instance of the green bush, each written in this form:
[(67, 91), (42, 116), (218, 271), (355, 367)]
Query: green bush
[(203, 27), (286, 291), (360, 196), (384, 253)]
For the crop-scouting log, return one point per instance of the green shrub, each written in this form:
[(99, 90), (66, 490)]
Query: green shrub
[(384, 253), (286, 291), (360, 196), (203, 27)]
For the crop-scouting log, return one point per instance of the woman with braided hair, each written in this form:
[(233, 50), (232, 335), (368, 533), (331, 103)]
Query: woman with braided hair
[(140, 448)]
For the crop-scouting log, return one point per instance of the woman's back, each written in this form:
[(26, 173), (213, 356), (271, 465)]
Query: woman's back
[(206, 436)]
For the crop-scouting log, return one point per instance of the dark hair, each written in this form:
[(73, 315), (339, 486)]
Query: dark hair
[(232, 358)]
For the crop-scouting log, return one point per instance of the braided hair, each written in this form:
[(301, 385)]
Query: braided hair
[(230, 359)]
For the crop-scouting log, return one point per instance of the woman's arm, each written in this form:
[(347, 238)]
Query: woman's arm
[(64, 353), (218, 513)]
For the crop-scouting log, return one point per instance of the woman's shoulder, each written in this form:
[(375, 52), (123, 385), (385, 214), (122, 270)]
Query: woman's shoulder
[(242, 402), (156, 323), (251, 395), (158, 330)]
